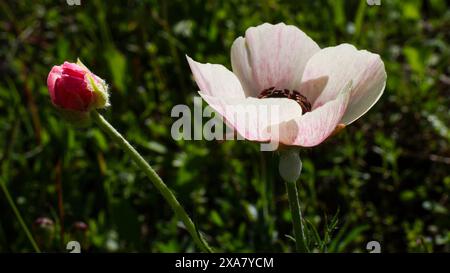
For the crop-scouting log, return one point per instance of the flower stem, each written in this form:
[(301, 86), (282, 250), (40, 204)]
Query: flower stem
[(297, 219), (19, 217), (290, 168), (154, 178)]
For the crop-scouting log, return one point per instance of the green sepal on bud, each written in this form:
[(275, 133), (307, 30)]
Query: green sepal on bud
[(98, 86)]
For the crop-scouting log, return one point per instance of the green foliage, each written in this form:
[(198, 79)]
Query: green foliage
[(387, 174)]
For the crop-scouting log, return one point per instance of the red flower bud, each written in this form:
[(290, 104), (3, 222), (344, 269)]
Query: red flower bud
[(75, 90)]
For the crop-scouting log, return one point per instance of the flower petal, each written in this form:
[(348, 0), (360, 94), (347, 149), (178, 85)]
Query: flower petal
[(250, 116), (216, 80), (240, 63), (72, 93), (271, 55), (54, 74), (73, 70), (314, 127), (339, 65)]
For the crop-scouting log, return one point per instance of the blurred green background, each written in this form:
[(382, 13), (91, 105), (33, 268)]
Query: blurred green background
[(386, 176)]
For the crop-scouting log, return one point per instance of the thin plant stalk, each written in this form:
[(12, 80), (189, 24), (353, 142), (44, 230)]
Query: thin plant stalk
[(19, 217), (297, 218), (59, 189), (154, 178), (290, 168)]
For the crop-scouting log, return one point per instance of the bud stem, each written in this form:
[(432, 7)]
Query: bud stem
[(154, 178), (294, 201)]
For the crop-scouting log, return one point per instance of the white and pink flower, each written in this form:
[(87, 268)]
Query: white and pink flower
[(315, 90)]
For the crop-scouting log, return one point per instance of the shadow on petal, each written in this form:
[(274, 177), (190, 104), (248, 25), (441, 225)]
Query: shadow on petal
[(312, 88)]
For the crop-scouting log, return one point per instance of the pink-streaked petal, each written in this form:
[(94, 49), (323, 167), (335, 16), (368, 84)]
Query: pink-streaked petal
[(240, 62), (311, 88), (314, 127), (339, 65), (271, 55), (216, 80), (250, 117)]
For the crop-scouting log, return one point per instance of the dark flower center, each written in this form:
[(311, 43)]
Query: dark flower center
[(272, 92)]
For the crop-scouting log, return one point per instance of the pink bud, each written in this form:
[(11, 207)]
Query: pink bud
[(73, 87)]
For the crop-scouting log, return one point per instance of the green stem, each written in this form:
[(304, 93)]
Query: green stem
[(290, 168), (297, 219), (154, 178), (19, 217)]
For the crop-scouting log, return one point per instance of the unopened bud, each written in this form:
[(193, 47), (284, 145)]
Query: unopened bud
[(75, 91), (290, 165)]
